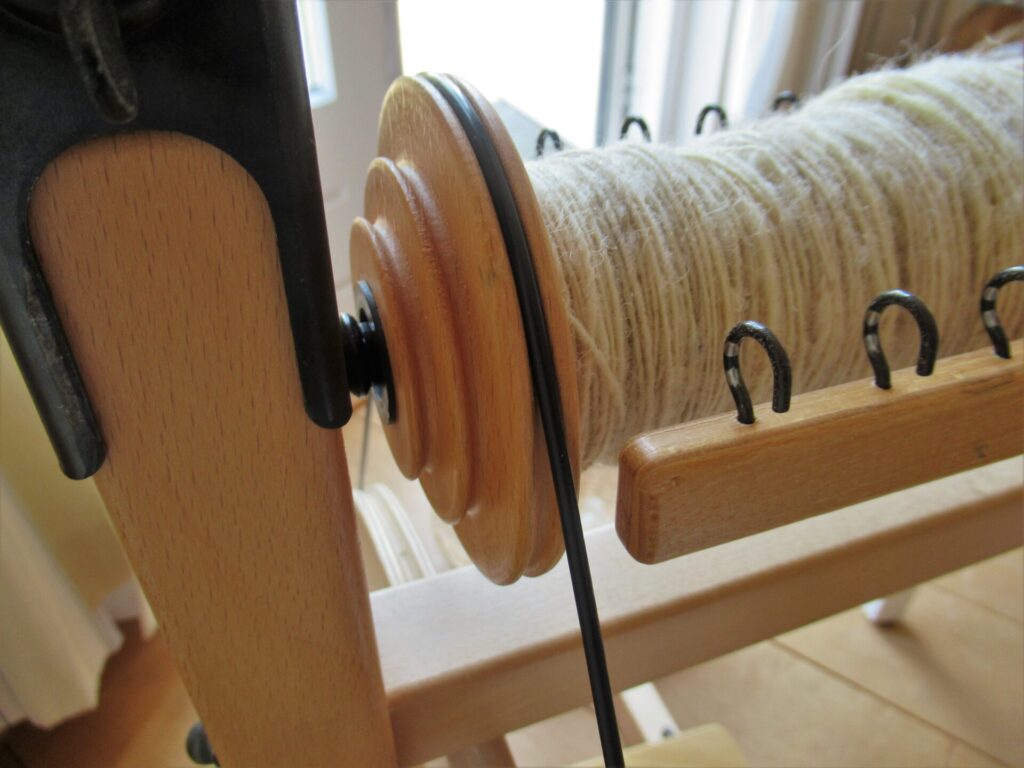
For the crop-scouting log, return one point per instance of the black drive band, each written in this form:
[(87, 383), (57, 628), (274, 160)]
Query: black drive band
[(549, 401)]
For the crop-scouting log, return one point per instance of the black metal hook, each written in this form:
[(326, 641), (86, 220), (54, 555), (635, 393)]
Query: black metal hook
[(198, 747), (782, 372), (723, 119), (988, 308), (632, 120), (925, 322), (785, 98), (542, 139)]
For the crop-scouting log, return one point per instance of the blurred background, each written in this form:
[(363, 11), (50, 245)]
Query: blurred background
[(84, 678), (580, 66)]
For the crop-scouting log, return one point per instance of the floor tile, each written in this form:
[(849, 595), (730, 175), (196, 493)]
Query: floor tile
[(952, 662), (786, 711), (963, 756), (997, 583)]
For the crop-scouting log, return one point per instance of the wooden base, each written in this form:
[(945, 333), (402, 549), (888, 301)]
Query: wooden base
[(432, 251), (455, 680)]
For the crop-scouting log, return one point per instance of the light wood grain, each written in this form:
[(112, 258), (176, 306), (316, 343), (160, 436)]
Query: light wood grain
[(697, 485), (963, 756), (548, 543), (394, 554), (764, 695), (431, 248), (570, 737), (465, 660), (492, 754), (234, 509), (951, 682), (997, 584), (706, 746)]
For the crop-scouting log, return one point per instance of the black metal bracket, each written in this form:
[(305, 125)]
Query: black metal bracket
[(366, 354), (229, 73)]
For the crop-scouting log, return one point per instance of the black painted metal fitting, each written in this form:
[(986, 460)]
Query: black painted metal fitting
[(198, 747), (228, 73), (365, 349)]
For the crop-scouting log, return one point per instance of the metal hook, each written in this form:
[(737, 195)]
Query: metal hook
[(782, 372), (925, 322), (632, 120), (543, 137), (988, 308), (787, 98), (723, 119)]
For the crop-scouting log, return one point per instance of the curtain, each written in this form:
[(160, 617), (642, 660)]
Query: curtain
[(677, 57), (894, 30), (737, 53)]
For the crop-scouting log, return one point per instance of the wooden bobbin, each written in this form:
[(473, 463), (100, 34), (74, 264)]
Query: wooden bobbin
[(432, 251)]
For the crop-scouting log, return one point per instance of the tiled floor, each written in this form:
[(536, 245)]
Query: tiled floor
[(943, 688)]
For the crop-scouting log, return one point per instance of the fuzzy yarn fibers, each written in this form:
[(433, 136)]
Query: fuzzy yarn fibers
[(908, 179)]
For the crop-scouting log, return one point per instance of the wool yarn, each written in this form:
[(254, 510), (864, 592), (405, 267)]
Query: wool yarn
[(908, 179)]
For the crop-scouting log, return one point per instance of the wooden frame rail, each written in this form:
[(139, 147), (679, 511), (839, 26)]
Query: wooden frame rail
[(465, 661), (697, 485)]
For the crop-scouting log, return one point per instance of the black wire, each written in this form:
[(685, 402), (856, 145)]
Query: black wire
[(549, 402)]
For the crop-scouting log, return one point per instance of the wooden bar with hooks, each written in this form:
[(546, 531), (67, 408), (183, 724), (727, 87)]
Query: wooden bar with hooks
[(697, 485)]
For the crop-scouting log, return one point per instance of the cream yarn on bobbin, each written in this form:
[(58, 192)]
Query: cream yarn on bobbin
[(908, 179)]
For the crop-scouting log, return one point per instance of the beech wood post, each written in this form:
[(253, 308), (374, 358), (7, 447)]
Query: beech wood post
[(233, 507)]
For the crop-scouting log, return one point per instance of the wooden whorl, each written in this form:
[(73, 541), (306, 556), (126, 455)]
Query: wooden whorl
[(432, 251)]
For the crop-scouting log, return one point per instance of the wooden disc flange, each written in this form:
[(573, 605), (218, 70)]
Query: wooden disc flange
[(433, 253)]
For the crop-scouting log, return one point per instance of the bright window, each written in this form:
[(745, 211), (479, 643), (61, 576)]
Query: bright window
[(542, 57), (316, 52)]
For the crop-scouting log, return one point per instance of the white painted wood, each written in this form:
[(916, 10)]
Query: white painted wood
[(650, 712), (888, 610)]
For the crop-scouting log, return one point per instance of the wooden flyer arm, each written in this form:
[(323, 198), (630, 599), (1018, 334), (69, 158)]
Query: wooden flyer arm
[(697, 485), (233, 507)]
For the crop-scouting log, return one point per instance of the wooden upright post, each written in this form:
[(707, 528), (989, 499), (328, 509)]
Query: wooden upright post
[(234, 508)]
